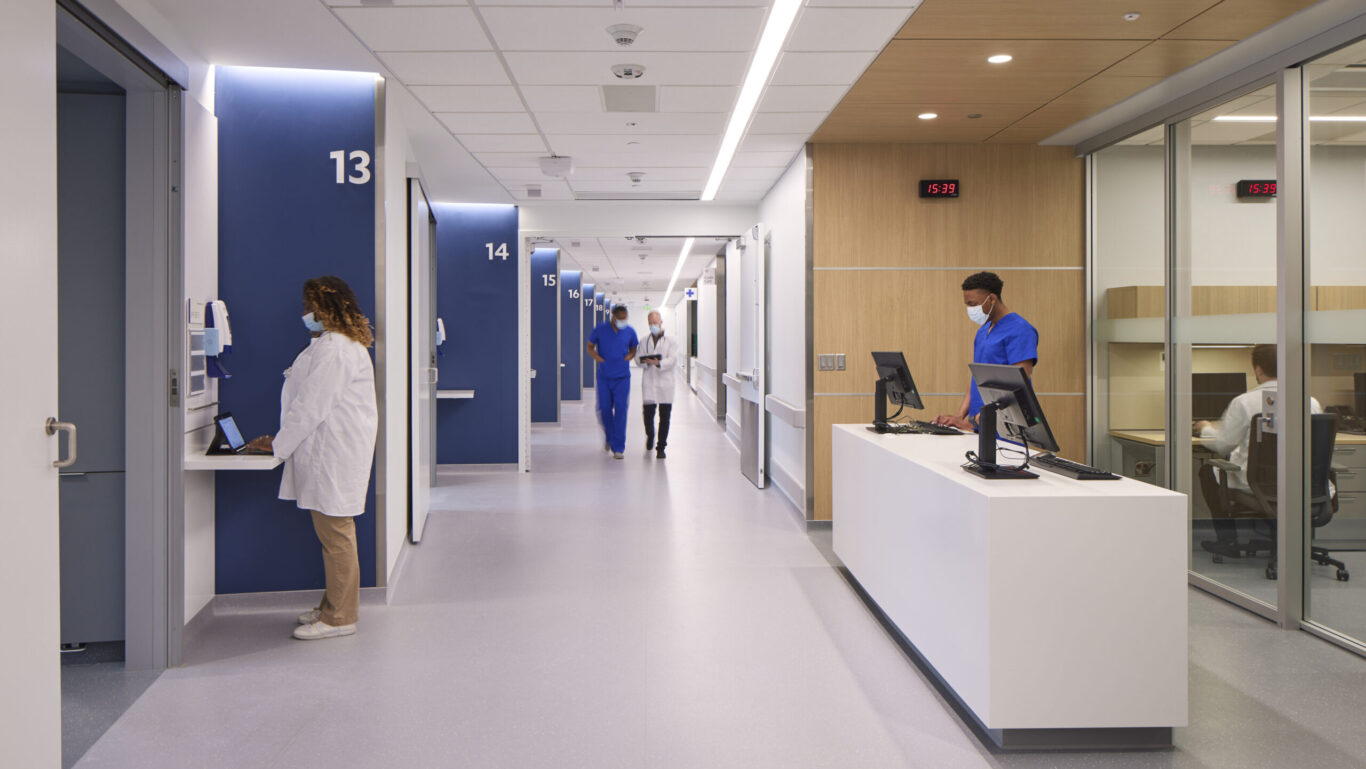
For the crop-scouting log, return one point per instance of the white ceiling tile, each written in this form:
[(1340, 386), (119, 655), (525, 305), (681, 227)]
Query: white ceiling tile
[(416, 29), (515, 175), (908, 5), (633, 3), (616, 146), (846, 29), (768, 174), (488, 122), (509, 159), (540, 68), (652, 173), (445, 68), (762, 159), (620, 123), (553, 189), (806, 68), (663, 29), (743, 190), (468, 98), (697, 98), (502, 142), (801, 98), (352, 3), (786, 122), (563, 98), (773, 142)]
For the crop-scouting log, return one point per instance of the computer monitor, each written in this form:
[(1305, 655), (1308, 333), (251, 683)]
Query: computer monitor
[(894, 383), (1010, 410), (1211, 393)]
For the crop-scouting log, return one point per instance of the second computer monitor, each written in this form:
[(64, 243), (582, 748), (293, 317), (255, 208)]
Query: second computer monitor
[(1018, 411), (892, 370), (1211, 393)]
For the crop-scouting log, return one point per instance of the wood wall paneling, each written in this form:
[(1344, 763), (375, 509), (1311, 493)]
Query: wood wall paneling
[(1021, 209)]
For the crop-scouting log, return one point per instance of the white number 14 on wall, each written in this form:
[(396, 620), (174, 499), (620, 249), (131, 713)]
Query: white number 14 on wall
[(501, 251), (360, 172)]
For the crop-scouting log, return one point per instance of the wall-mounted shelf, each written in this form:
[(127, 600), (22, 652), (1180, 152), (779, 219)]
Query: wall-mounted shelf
[(232, 462), (447, 395)]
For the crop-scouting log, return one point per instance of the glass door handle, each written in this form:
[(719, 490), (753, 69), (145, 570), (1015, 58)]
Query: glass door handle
[(53, 426)]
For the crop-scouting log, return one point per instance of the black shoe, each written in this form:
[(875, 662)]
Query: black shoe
[(660, 453), (649, 444), (1219, 547)]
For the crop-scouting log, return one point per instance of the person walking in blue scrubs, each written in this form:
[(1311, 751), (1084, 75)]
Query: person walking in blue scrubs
[(613, 345), (1003, 337)]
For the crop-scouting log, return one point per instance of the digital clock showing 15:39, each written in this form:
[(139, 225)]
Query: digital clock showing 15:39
[(1257, 188), (938, 188)]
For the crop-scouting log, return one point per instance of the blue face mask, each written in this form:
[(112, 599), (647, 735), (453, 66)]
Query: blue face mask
[(312, 324), (656, 330), (620, 324)]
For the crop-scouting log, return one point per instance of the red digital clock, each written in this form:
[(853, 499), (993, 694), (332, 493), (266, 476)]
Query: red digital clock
[(939, 188), (1257, 188)]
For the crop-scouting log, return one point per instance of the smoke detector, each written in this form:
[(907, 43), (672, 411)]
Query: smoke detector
[(623, 34), (636, 177), (628, 71)]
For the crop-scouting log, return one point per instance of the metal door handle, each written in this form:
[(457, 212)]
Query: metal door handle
[(744, 376), (52, 427), (433, 375)]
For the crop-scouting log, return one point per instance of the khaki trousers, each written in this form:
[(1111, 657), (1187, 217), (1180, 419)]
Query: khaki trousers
[(341, 563)]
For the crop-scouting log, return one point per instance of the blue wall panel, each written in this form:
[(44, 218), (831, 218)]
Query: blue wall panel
[(589, 321), (571, 335), (545, 334), (477, 297), (283, 218)]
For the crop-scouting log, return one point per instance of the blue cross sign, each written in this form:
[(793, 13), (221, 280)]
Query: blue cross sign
[(690, 293)]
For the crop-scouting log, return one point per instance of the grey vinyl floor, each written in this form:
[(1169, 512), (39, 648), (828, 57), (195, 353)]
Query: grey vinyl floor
[(644, 614)]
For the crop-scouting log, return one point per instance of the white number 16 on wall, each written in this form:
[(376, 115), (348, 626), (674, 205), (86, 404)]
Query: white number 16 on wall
[(360, 173)]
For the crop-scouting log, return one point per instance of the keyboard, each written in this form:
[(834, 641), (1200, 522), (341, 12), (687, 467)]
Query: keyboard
[(918, 428), (1055, 464)]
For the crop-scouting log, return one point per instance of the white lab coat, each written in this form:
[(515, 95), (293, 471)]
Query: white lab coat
[(1230, 438), (657, 384), (328, 424)]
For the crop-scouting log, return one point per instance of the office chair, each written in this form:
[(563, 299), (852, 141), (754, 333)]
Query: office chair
[(1260, 502)]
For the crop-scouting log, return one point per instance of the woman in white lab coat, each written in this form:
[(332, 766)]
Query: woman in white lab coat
[(657, 357), (328, 425)]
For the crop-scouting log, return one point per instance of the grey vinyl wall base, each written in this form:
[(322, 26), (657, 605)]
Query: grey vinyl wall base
[(1014, 740), (819, 525), (788, 485)]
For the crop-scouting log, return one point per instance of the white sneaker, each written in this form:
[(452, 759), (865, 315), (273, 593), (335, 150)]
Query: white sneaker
[(309, 617), (319, 630), (617, 455)]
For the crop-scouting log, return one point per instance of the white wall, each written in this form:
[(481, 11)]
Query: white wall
[(783, 211), (733, 334), (706, 339), (392, 477)]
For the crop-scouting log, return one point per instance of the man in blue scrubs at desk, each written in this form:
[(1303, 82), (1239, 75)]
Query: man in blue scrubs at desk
[(1003, 338), (613, 344)]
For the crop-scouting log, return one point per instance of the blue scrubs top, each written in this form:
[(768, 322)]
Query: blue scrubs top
[(614, 346), (1006, 342)]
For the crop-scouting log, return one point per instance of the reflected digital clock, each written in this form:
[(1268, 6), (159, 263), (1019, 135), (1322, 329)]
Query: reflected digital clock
[(1257, 188), (939, 188)]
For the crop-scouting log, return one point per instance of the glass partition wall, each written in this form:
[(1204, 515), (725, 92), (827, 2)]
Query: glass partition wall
[(1228, 271)]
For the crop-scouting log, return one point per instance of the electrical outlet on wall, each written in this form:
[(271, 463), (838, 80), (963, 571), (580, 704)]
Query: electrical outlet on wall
[(825, 363), (839, 361)]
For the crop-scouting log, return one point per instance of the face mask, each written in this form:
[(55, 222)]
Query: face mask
[(977, 314), (312, 324), (656, 330), (620, 324)]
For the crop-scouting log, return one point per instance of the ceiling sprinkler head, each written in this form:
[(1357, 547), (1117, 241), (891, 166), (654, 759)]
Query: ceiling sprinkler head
[(1132, 16), (628, 71), (623, 34), (636, 177)]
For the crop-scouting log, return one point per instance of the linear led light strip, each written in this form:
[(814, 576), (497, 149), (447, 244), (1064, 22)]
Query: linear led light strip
[(1272, 118), (780, 20)]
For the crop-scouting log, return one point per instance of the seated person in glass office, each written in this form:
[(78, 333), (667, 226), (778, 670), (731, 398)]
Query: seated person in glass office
[(1229, 438), (1003, 337)]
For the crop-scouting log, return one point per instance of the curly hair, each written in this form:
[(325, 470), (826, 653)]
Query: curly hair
[(987, 281), (334, 305)]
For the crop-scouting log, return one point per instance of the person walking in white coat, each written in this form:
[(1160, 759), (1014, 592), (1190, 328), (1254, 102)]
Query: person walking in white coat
[(657, 358), (328, 426)]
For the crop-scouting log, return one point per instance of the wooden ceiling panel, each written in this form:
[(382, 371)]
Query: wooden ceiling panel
[(957, 72), (1051, 19), (1237, 19), (1077, 104), (899, 123), (1164, 58)]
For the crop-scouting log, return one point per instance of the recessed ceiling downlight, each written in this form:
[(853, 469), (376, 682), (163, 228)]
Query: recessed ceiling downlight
[(928, 115), (1000, 58)]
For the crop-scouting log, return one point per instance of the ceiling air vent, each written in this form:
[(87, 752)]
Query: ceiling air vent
[(629, 98)]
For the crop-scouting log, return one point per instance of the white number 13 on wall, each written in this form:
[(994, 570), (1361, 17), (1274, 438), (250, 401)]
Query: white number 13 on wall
[(360, 173)]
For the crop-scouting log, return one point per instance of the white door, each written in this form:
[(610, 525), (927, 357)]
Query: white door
[(751, 373), (30, 676), (422, 287)]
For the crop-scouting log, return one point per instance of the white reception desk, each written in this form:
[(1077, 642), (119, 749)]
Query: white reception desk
[(1053, 610)]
